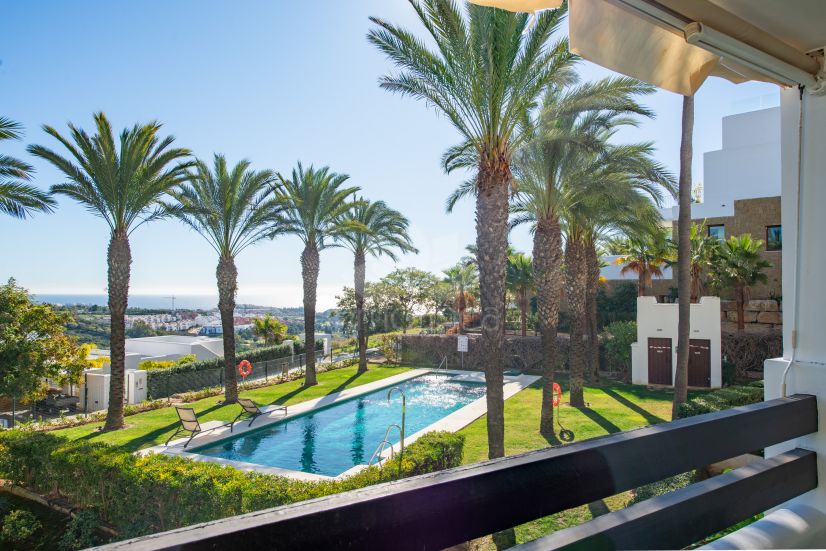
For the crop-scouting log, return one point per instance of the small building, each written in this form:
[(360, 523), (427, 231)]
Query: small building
[(654, 355)]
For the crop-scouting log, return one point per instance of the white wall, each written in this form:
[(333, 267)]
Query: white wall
[(203, 348), (747, 167), (807, 313), (659, 321)]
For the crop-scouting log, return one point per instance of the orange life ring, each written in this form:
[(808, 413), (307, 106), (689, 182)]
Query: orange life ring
[(244, 368), (557, 390)]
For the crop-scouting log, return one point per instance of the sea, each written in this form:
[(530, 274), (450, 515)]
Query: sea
[(183, 302)]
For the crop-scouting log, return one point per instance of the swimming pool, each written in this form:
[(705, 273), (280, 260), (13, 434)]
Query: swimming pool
[(331, 440)]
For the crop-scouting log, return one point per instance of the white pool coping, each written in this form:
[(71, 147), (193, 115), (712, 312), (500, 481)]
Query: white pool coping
[(215, 431)]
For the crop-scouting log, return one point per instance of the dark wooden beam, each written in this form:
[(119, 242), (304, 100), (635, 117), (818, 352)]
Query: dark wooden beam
[(683, 517), (441, 509)]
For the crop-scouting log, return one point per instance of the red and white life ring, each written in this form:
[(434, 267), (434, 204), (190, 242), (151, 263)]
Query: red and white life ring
[(557, 391), (244, 368)]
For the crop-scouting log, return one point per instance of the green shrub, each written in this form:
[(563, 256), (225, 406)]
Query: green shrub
[(662, 487), (724, 398), (729, 372), (81, 532), (19, 526), (145, 494), (618, 338), (150, 365)]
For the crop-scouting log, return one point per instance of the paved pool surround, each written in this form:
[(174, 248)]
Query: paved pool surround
[(216, 431)]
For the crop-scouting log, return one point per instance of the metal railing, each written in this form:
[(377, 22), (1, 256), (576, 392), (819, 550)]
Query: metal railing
[(443, 509)]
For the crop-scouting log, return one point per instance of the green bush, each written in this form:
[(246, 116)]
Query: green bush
[(662, 487), (81, 532), (145, 494), (724, 398), (150, 365), (19, 526), (618, 338)]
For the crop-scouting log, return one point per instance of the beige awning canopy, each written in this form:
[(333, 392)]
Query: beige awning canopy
[(654, 41), (529, 6)]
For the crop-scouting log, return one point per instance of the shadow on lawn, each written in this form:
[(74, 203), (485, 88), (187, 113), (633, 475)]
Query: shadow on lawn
[(150, 438), (606, 425), (650, 418)]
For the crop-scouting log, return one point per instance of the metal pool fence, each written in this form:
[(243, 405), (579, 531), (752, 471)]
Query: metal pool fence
[(162, 384)]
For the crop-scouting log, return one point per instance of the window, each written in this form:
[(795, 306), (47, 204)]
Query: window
[(774, 238), (718, 231)]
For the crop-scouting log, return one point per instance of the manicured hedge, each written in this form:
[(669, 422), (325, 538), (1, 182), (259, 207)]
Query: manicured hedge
[(724, 398), (141, 495)]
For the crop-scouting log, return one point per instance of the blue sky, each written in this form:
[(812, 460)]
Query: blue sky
[(271, 81)]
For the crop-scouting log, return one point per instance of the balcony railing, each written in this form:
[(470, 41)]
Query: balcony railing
[(450, 507)]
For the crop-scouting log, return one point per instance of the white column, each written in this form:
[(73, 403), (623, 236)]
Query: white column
[(804, 268)]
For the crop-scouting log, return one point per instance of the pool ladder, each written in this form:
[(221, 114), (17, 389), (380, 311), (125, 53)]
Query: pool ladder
[(380, 449), (443, 363)]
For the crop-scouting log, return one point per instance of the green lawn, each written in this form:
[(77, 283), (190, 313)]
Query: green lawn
[(154, 427), (613, 407)]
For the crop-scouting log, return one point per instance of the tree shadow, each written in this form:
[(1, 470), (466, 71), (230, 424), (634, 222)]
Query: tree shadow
[(285, 397), (606, 425), (149, 437), (598, 508), (650, 418), (346, 383)]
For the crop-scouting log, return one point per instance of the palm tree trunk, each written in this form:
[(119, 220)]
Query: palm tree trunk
[(358, 285), (684, 258), (227, 276), (641, 292), (547, 259), (523, 310), (492, 243), (740, 301), (576, 280), (592, 352), (119, 260), (309, 273)]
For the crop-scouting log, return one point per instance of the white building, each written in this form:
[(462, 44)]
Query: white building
[(654, 355), (747, 167)]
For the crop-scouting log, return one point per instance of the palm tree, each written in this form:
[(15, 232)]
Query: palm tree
[(554, 182), (377, 230), (462, 277), (270, 329), (738, 266), (123, 182), (17, 198), (704, 250), (314, 207), (646, 253), (683, 254), (519, 281), (485, 75), (232, 209)]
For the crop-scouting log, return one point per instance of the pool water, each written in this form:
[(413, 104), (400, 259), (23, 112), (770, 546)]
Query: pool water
[(334, 439)]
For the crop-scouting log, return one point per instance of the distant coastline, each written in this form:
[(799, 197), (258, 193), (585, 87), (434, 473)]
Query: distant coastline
[(182, 302)]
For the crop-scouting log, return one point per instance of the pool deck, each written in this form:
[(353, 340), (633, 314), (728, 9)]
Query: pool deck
[(214, 431)]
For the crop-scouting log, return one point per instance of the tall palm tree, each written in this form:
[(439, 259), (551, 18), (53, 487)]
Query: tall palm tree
[(738, 266), (123, 181), (683, 254), (646, 253), (18, 198), (377, 230), (485, 74), (570, 137), (462, 277), (313, 206), (520, 282), (232, 209)]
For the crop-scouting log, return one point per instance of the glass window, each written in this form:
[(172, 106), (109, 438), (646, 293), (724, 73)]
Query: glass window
[(718, 231), (774, 238)]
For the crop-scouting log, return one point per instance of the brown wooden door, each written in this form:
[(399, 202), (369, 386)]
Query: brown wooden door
[(699, 363), (659, 361)]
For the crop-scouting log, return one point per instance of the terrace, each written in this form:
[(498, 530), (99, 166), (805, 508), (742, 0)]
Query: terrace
[(762, 40)]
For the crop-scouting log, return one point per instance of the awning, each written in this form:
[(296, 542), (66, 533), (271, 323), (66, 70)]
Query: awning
[(675, 44), (529, 6)]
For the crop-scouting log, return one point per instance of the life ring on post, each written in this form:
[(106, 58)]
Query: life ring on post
[(244, 368), (557, 392)]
